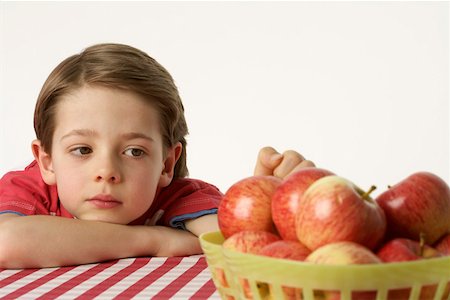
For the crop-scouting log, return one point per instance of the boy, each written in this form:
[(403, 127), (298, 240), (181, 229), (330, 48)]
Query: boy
[(110, 152)]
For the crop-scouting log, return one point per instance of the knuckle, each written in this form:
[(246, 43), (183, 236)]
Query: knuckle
[(266, 150), (308, 163), (293, 156), (279, 173)]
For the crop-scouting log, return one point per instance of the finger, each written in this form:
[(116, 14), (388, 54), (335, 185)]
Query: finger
[(268, 159), (291, 159), (302, 165)]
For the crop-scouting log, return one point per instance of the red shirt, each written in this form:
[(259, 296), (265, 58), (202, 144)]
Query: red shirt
[(25, 193)]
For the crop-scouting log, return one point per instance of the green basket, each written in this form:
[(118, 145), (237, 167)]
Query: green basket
[(247, 276)]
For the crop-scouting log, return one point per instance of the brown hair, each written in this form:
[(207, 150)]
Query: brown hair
[(116, 66)]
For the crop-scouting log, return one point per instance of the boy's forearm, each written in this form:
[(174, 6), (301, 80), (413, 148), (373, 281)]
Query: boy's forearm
[(202, 224), (44, 241)]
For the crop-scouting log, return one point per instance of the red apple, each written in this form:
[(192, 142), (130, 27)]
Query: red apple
[(333, 209), (286, 199), (249, 242), (418, 204), (288, 250), (402, 249), (247, 205), (443, 245), (343, 253)]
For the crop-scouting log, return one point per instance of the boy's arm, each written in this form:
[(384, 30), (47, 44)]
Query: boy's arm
[(202, 224), (48, 241)]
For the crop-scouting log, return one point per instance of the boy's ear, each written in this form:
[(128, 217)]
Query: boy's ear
[(172, 156), (44, 161)]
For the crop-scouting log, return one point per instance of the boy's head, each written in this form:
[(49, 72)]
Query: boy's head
[(120, 67)]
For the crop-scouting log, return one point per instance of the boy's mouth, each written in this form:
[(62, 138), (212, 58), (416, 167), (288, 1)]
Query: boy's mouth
[(104, 201)]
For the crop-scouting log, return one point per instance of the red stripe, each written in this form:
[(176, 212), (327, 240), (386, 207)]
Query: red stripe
[(205, 291), (73, 282), (13, 278), (111, 281), (182, 280), (147, 280), (38, 282)]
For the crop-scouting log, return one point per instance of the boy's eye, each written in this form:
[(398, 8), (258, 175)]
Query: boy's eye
[(80, 151), (135, 152)]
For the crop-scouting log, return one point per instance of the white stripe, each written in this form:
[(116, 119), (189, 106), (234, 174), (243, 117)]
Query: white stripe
[(55, 282), (96, 279), (215, 296), (6, 273), (131, 279), (167, 278), (25, 280), (194, 285)]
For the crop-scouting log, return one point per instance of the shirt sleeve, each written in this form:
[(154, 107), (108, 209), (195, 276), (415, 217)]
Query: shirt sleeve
[(186, 199), (25, 193)]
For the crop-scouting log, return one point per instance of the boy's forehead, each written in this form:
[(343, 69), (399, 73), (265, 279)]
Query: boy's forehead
[(106, 108), (100, 90), (92, 98)]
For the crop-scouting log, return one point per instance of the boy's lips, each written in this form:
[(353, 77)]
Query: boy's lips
[(104, 201)]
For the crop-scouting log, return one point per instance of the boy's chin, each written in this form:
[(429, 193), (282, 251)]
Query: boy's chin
[(105, 219)]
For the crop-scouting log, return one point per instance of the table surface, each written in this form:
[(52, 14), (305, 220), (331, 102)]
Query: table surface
[(140, 278)]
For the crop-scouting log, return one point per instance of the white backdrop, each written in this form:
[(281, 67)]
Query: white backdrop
[(360, 88)]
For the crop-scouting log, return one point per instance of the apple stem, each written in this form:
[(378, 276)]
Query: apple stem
[(366, 194), (421, 243)]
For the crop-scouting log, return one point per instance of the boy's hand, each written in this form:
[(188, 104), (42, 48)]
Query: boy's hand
[(270, 162), (174, 242)]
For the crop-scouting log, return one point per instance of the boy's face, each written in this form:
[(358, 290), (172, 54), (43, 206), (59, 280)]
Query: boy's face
[(107, 155)]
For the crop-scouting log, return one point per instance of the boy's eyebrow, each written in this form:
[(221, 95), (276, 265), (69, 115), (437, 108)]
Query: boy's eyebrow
[(89, 132), (137, 135), (82, 132)]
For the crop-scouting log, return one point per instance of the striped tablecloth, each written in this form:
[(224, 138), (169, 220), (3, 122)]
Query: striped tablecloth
[(140, 278)]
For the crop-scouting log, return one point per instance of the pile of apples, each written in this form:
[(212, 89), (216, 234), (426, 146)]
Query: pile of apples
[(318, 217)]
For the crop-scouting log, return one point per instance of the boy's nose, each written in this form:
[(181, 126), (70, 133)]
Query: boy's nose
[(113, 178), (108, 171)]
